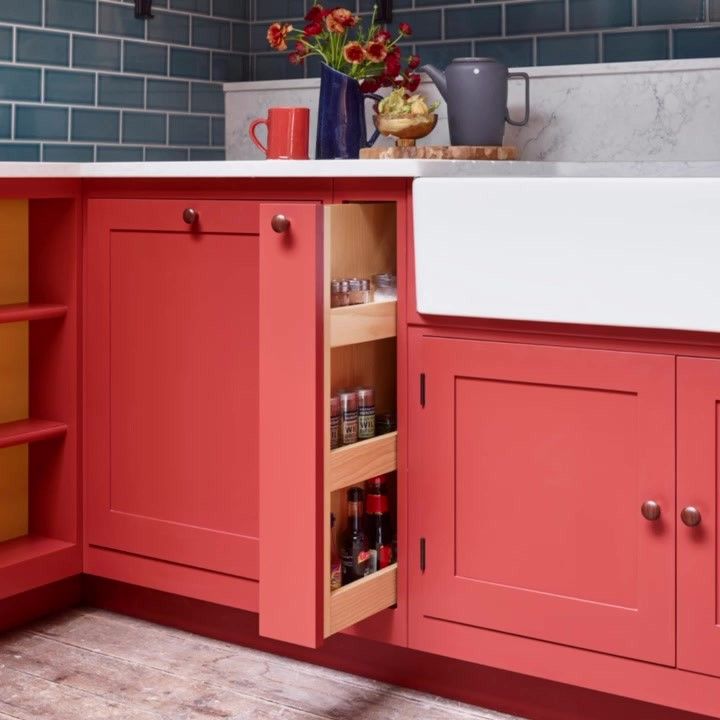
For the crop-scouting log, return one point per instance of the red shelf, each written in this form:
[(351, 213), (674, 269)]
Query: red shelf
[(27, 431), (29, 547), (29, 311)]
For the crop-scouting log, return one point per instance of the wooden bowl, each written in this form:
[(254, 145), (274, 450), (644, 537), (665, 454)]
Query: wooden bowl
[(406, 128)]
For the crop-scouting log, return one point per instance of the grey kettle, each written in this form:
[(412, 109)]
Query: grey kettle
[(476, 93)]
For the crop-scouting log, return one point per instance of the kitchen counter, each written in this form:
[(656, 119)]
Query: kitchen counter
[(356, 168)]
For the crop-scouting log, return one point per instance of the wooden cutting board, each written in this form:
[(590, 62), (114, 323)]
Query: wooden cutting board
[(441, 152)]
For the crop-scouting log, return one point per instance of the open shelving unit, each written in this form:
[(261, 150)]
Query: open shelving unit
[(360, 349)]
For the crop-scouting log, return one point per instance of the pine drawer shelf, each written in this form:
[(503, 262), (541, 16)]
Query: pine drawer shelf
[(363, 323), (24, 312), (353, 464), (28, 431)]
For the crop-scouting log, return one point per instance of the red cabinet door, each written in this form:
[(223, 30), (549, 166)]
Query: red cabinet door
[(528, 469), (698, 582), (171, 437)]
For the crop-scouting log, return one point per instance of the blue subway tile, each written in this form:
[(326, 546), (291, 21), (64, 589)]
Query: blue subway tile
[(71, 14), (99, 53), (169, 27), (568, 49), (664, 12), (144, 128), (697, 43), (119, 91), (237, 9), (241, 37), (535, 17), (514, 53), (280, 9), (69, 87), (43, 48), (210, 33), (207, 98), (634, 46), (189, 130), (167, 94), (114, 153), (5, 121), (190, 63), (276, 67), (482, 21), (442, 54), (35, 122), (18, 83), (95, 125), (200, 6), (145, 58), (203, 154), (19, 152), (258, 38), (217, 131), (116, 19), (166, 154), (68, 153), (589, 14), (28, 12), (426, 24), (6, 43), (366, 6), (230, 67), (715, 10)]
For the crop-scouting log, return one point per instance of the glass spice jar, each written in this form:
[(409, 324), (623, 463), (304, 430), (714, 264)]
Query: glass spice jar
[(348, 418), (334, 422), (366, 413), (385, 286), (385, 423), (339, 293), (359, 291)]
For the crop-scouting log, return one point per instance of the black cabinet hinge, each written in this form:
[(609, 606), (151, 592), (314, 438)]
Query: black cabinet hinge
[(422, 555), (422, 389)]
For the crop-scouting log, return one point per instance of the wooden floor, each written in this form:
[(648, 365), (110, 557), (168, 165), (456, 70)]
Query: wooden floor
[(93, 665)]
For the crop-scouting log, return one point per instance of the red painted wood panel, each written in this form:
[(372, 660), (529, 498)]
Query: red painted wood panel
[(171, 382), (698, 581), (529, 465), (291, 424)]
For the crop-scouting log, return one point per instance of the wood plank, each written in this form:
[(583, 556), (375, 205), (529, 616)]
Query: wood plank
[(22, 312), (21, 432), (363, 323), (363, 598), (356, 463)]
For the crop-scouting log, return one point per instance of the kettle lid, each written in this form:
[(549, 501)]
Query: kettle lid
[(476, 60)]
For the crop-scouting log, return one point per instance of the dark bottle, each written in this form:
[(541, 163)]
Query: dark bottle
[(378, 525), (355, 555)]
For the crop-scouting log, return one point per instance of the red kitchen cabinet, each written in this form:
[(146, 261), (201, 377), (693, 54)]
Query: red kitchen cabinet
[(698, 580), (171, 397), (529, 466)]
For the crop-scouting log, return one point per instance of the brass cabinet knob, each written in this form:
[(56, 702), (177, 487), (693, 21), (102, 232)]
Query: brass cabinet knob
[(280, 223), (691, 516), (650, 510), (190, 216)]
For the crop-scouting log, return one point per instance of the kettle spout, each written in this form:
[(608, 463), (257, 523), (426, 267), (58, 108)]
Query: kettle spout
[(438, 77)]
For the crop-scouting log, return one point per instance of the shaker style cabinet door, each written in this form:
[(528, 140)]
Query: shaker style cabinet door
[(698, 582), (171, 438), (529, 466)]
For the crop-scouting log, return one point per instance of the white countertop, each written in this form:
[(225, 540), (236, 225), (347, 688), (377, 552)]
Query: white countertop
[(356, 169)]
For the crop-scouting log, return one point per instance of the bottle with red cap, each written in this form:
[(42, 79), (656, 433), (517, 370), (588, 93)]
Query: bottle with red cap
[(379, 530)]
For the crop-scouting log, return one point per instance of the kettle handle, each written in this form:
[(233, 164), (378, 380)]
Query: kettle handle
[(526, 78), (373, 138)]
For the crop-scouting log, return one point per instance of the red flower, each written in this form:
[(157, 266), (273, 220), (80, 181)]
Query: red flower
[(301, 48), (392, 63), (313, 28), (354, 53), (376, 51), (413, 62), (411, 82), (316, 14), (296, 58), (382, 36), (371, 84), (277, 34), (405, 29), (339, 20)]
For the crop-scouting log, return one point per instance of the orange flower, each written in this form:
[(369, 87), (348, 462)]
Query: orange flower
[(277, 34), (339, 20), (376, 51), (354, 53)]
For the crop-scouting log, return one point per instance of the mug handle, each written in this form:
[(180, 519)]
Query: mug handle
[(376, 134), (526, 78), (253, 125)]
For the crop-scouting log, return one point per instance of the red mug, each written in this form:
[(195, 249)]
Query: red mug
[(288, 130)]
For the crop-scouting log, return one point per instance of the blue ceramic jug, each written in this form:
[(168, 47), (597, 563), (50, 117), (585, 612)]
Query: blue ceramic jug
[(341, 130)]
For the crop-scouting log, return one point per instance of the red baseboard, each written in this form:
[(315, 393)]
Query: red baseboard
[(496, 689)]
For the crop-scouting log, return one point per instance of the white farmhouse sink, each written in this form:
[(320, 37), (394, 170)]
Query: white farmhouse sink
[(639, 252)]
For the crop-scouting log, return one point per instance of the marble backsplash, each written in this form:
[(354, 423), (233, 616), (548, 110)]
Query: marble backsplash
[(656, 111)]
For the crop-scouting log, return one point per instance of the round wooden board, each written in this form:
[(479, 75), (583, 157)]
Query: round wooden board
[(441, 152)]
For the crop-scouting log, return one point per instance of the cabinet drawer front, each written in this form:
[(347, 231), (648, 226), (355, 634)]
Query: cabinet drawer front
[(529, 468)]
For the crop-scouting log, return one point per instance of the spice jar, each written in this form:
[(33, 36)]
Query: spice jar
[(359, 291), (339, 295), (348, 418), (384, 423), (366, 413), (385, 286), (334, 422)]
